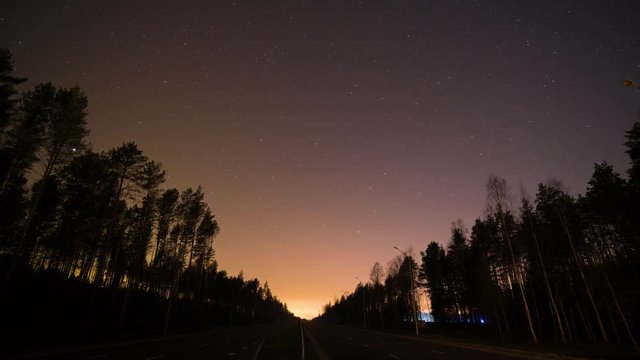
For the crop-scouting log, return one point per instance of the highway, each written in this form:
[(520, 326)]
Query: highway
[(332, 342), (242, 342), (341, 342)]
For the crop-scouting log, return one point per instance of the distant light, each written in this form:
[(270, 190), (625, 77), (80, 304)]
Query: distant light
[(481, 321), (73, 149)]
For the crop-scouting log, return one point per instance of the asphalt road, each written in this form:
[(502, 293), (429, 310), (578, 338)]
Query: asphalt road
[(242, 342), (342, 342)]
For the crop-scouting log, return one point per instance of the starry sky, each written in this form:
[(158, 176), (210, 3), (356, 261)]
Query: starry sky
[(327, 132)]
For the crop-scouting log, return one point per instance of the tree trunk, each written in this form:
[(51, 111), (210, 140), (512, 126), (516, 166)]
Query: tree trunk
[(563, 314), (7, 177), (587, 326), (500, 304), (30, 216), (624, 319), (605, 260), (565, 226), (507, 239), (554, 308)]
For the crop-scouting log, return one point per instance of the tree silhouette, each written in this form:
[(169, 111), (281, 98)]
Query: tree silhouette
[(561, 268), (119, 251), (8, 90)]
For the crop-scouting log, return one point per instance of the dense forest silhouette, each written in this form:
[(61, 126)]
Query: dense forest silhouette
[(91, 245), (555, 267)]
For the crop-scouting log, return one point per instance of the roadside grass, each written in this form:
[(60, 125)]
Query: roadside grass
[(287, 345)]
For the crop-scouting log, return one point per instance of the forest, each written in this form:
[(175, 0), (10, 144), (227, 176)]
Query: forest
[(554, 267), (91, 244)]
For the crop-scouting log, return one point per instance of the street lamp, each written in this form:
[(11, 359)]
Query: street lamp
[(413, 291), (364, 308)]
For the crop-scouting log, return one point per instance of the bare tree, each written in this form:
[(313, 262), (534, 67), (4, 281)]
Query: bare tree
[(498, 203)]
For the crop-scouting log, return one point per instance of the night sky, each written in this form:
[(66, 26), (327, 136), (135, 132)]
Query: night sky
[(327, 132)]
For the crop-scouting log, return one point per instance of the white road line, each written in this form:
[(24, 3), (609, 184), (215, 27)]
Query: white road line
[(365, 345), (394, 356), (231, 354), (438, 352), (96, 357), (255, 356), (155, 357), (202, 345)]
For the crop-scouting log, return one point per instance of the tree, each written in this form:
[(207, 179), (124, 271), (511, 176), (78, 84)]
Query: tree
[(457, 256), (607, 206), (167, 213), (560, 211), (148, 180), (529, 223), (26, 134), (88, 188), (61, 130), (126, 163), (92, 219), (490, 269), (376, 276), (432, 273), (497, 202), (633, 150), (8, 90), (8, 102)]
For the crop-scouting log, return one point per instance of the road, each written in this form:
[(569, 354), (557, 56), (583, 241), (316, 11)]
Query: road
[(342, 342), (242, 342)]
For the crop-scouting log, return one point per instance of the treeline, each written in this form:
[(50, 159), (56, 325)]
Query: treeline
[(386, 298), (100, 230), (553, 267)]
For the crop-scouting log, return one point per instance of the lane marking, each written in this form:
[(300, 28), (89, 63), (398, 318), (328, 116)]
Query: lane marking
[(394, 356), (255, 356), (245, 347), (100, 356), (365, 345), (438, 352), (202, 345), (155, 357), (322, 355), (231, 354)]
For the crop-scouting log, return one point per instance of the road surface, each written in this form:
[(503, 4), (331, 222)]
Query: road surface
[(343, 342), (242, 342)]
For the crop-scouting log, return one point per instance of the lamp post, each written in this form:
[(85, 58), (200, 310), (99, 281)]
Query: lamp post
[(413, 291), (364, 308)]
